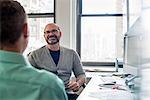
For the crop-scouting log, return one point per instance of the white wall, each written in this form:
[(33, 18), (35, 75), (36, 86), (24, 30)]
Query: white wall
[(65, 18)]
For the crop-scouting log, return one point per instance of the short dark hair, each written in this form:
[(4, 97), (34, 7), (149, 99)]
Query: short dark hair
[(12, 19)]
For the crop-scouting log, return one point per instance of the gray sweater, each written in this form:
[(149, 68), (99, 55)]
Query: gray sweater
[(68, 61)]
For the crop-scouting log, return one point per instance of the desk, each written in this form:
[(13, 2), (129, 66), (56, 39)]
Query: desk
[(94, 92)]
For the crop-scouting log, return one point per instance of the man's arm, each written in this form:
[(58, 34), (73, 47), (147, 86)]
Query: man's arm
[(78, 72), (81, 80), (75, 85)]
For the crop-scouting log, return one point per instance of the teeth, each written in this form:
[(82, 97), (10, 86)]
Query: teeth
[(52, 38), (50, 41)]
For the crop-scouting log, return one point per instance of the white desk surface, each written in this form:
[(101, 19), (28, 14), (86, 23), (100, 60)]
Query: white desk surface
[(94, 92), (93, 74)]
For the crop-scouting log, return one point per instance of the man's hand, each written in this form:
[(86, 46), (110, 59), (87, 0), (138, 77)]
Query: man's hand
[(73, 86)]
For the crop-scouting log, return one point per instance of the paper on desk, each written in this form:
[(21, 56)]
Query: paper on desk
[(112, 95)]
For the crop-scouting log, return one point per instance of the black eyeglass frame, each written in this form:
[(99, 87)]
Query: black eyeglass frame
[(52, 31)]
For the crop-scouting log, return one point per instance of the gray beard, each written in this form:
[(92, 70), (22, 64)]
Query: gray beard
[(52, 41)]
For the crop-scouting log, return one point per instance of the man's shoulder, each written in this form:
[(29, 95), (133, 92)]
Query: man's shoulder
[(50, 79), (67, 49), (45, 78), (38, 51)]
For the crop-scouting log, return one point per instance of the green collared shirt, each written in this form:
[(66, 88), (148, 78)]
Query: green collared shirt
[(20, 81)]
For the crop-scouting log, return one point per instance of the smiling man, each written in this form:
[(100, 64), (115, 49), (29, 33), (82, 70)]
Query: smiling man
[(59, 60)]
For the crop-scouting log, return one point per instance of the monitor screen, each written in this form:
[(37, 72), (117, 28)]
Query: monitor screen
[(133, 39), (137, 49), (132, 53)]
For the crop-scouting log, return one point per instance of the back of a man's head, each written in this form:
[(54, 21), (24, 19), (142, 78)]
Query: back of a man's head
[(12, 19)]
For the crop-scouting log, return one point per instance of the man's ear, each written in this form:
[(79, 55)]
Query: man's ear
[(60, 33), (25, 30), (44, 36)]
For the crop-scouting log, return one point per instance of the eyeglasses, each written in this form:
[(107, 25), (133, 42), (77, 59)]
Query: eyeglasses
[(51, 31)]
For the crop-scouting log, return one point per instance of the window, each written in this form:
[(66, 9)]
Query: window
[(40, 13), (100, 30)]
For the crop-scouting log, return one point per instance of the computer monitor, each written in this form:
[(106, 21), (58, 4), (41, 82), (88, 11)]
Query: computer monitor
[(137, 54), (133, 39), (136, 44), (133, 49)]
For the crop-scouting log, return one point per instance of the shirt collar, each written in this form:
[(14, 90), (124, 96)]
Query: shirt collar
[(13, 57)]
